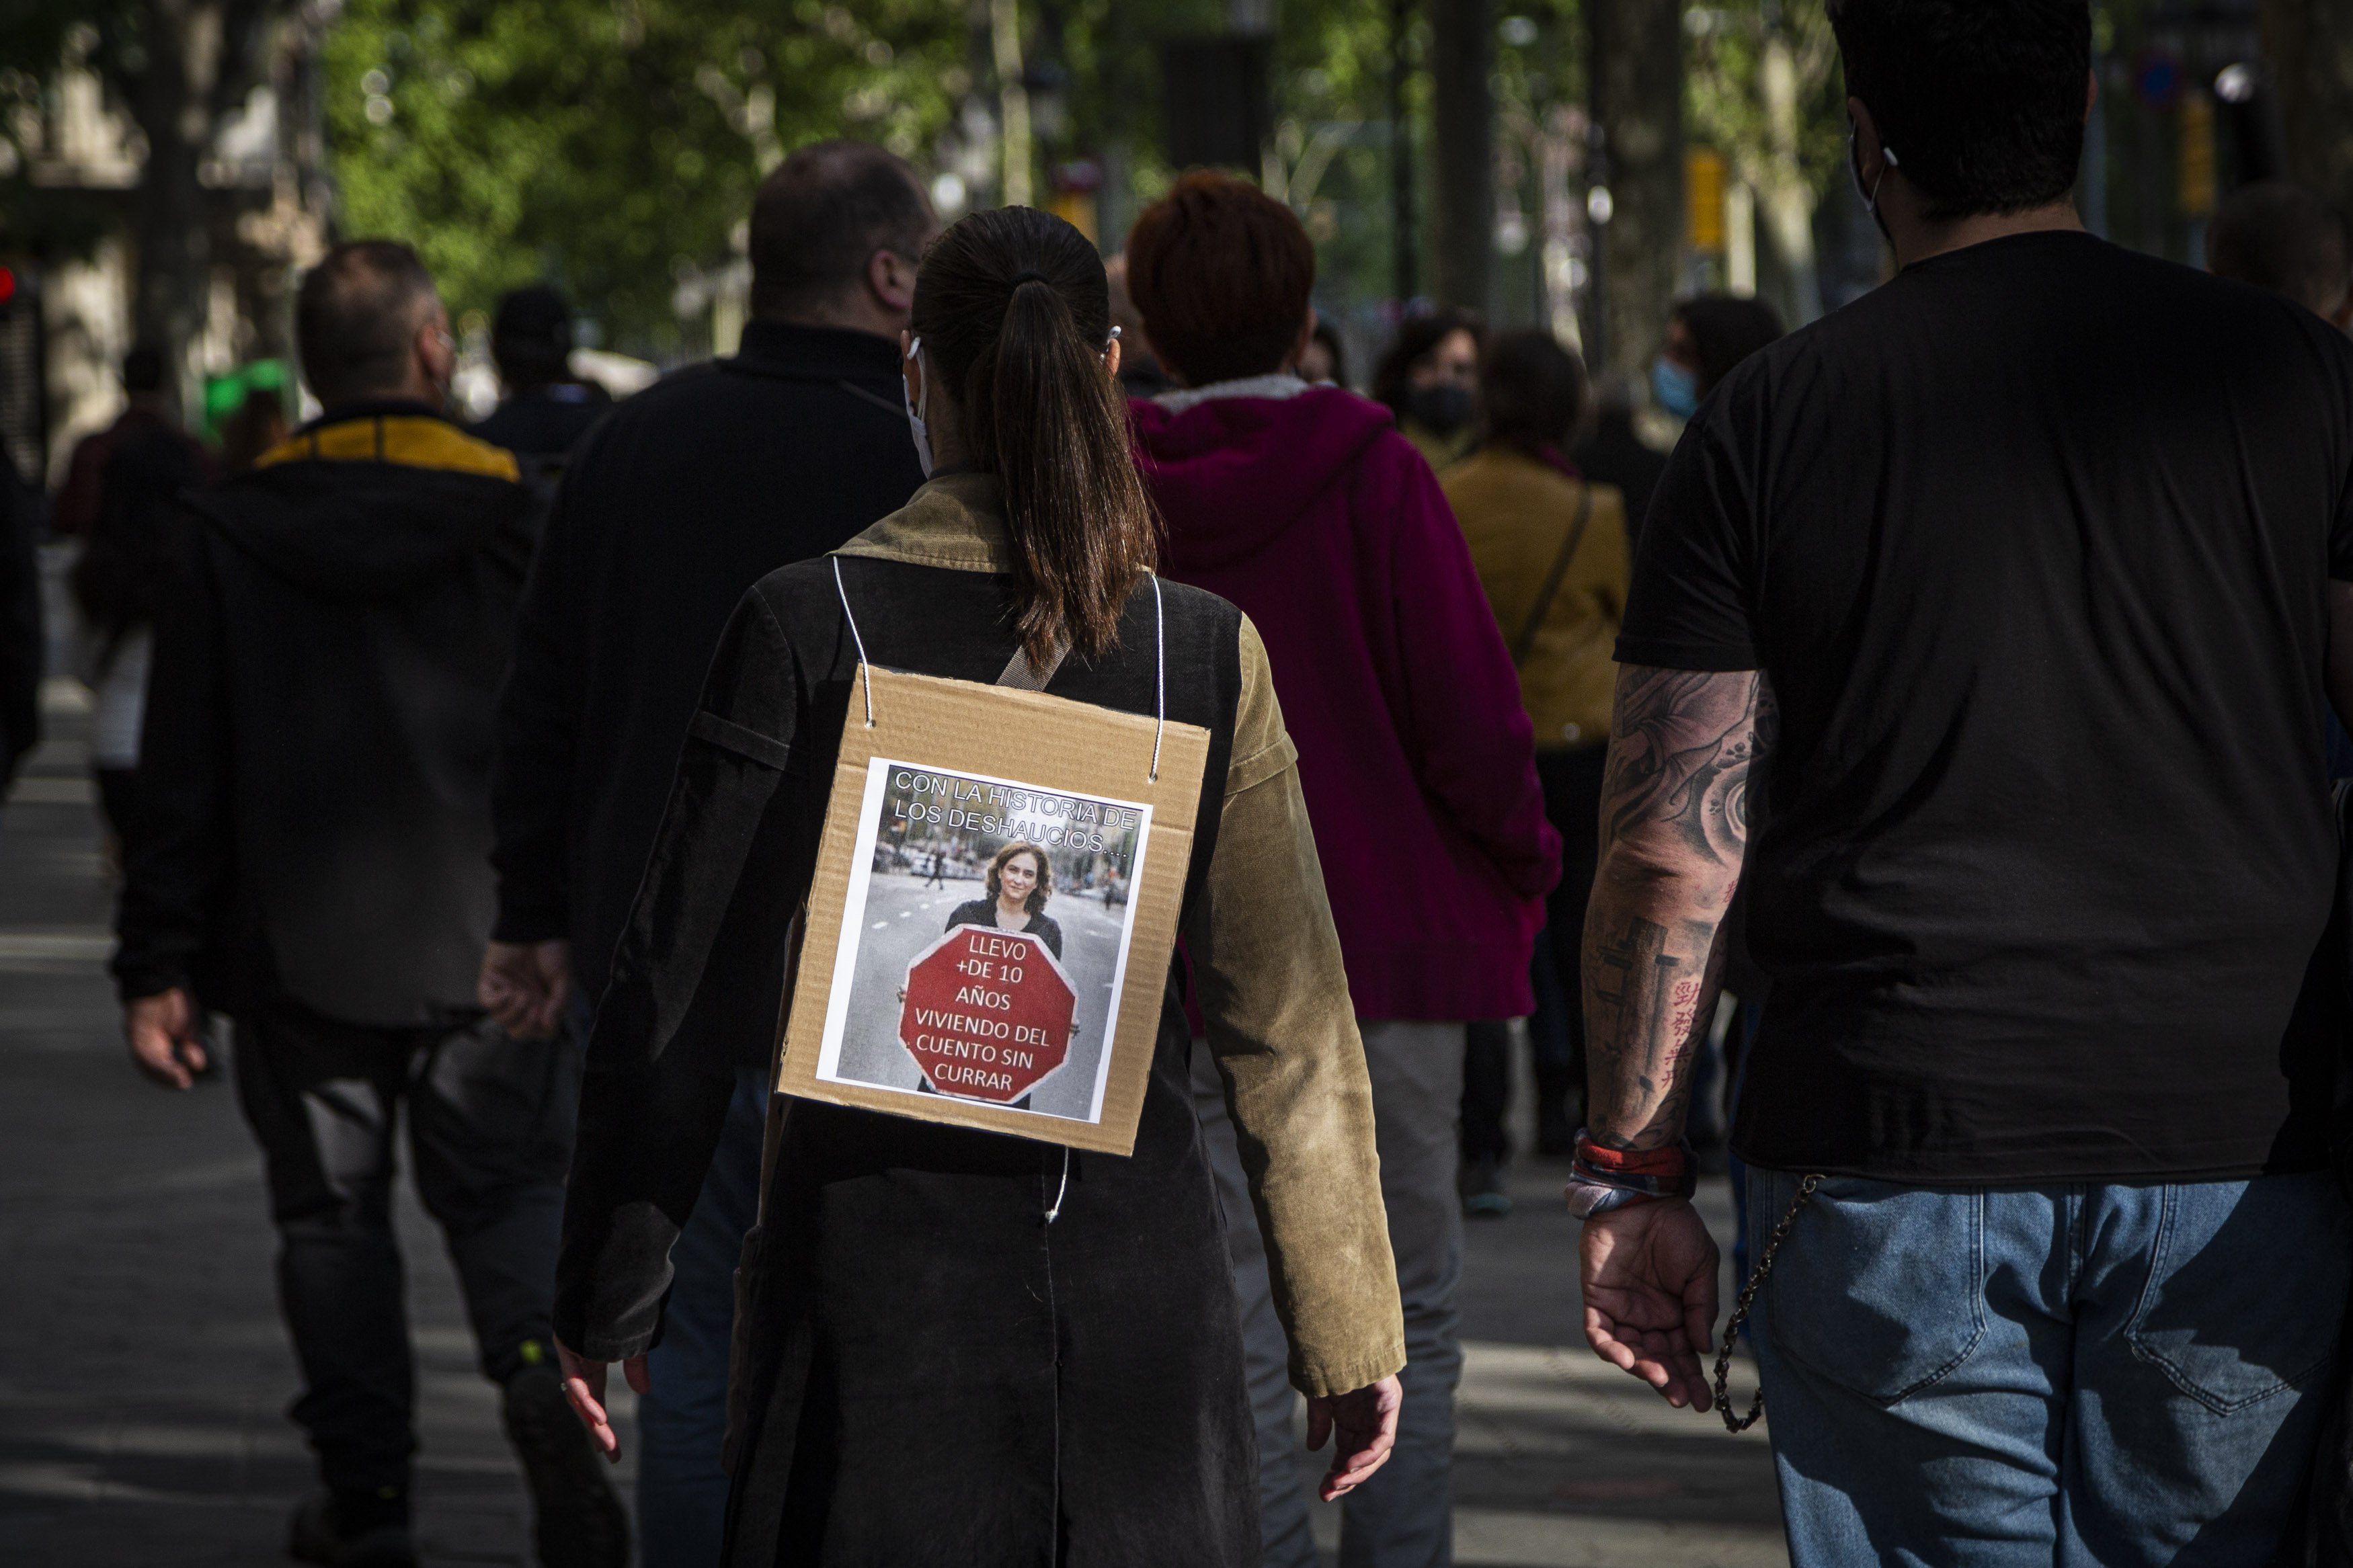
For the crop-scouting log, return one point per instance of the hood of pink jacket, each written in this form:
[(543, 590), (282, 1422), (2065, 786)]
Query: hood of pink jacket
[(1241, 471)]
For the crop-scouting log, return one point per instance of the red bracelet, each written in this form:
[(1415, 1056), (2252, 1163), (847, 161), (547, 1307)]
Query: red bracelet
[(1667, 1162)]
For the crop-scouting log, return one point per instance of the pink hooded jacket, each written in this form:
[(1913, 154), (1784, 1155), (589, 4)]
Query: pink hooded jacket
[(1311, 513)]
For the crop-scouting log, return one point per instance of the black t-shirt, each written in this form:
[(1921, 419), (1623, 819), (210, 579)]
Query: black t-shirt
[(2032, 545)]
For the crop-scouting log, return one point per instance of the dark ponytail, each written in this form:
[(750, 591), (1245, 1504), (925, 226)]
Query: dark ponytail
[(1015, 314)]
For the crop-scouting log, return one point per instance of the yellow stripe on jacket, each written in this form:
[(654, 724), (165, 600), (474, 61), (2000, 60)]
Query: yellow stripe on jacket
[(412, 440)]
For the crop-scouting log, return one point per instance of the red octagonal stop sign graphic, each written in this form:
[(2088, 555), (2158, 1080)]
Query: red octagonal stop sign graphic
[(988, 1013)]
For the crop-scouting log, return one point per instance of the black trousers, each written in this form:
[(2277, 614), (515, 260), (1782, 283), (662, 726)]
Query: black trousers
[(490, 1128), (1572, 791)]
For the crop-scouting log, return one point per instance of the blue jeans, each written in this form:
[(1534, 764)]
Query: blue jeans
[(2095, 1375), (681, 1424)]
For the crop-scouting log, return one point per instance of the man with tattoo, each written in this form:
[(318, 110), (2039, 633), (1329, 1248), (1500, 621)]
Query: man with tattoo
[(1984, 635)]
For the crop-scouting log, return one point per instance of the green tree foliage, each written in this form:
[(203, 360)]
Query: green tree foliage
[(611, 144)]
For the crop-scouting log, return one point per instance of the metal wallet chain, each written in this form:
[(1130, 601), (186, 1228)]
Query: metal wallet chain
[(1806, 1185)]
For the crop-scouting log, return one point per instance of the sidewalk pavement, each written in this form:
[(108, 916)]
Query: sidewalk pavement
[(144, 1374)]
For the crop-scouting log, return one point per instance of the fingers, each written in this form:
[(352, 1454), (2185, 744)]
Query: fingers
[(1661, 1358), (1354, 1463), (156, 1054), (1319, 1423), (587, 1402), (639, 1376)]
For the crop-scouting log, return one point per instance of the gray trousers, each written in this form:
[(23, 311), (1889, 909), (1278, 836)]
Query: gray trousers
[(1403, 1516)]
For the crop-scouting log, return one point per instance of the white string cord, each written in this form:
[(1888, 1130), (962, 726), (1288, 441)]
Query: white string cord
[(865, 669), (1160, 665), (1064, 1188)]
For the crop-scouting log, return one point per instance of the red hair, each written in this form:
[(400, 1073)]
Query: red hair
[(1220, 272)]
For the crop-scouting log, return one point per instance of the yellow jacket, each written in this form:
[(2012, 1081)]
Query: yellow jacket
[(1516, 514)]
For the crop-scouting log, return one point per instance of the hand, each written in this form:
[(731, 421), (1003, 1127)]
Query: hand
[(1365, 1422), (584, 1385), (1649, 1276), (166, 1037), (524, 986)]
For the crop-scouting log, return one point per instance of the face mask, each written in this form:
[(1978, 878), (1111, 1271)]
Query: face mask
[(915, 415), (1442, 408), (1675, 387)]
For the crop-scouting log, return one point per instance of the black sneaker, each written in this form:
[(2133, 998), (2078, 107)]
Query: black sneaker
[(577, 1520), (318, 1534)]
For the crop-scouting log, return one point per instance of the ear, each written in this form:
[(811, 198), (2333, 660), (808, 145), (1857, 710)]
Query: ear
[(1868, 149), (435, 354), (1111, 360), (890, 278), (1299, 344), (2090, 93)]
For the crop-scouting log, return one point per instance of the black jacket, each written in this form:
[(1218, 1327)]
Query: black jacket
[(545, 425), (315, 768), (688, 494)]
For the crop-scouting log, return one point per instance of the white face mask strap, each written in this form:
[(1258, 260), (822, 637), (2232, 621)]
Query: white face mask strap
[(915, 411), (1887, 160)]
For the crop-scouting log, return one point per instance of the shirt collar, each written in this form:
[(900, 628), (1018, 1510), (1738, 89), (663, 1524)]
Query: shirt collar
[(957, 520), (1281, 383), (823, 354)]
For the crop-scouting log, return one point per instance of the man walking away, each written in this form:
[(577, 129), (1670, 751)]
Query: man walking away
[(693, 490), (314, 861), (1985, 633), (145, 410), (547, 408)]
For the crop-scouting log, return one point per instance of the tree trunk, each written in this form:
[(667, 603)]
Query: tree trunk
[(1405, 270), (1012, 100), (1788, 201), (1637, 73), (2310, 47), (172, 100), (1463, 116)]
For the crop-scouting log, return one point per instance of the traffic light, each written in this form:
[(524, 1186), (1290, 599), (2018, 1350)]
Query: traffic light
[(8, 288)]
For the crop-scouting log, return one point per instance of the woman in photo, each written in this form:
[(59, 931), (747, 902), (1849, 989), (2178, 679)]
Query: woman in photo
[(1020, 881), (955, 1347)]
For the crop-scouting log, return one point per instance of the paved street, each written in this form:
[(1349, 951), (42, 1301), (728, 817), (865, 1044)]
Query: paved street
[(144, 1374)]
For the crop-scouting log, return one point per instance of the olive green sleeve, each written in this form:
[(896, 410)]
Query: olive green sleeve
[(1266, 964)]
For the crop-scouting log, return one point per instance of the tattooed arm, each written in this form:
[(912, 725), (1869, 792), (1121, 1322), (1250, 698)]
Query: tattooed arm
[(1675, 828), (1683, 749)]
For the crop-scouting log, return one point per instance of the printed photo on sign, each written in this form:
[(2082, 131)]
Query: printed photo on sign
[(984, 942)]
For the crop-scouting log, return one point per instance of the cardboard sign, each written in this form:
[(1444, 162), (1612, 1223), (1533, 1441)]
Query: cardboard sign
[(995, 904)]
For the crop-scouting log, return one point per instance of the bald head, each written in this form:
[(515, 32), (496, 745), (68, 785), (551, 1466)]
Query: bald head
[(359, 321), (2281, 237), (833, 229)]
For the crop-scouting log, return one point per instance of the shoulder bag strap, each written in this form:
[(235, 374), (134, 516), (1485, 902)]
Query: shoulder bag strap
[(1526, 641)]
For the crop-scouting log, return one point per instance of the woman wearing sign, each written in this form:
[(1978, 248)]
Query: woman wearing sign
[(957, 1347), (1020, 881)]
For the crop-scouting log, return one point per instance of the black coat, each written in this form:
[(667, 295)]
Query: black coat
[(683, 498), (314, 773), (938, 1373)]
